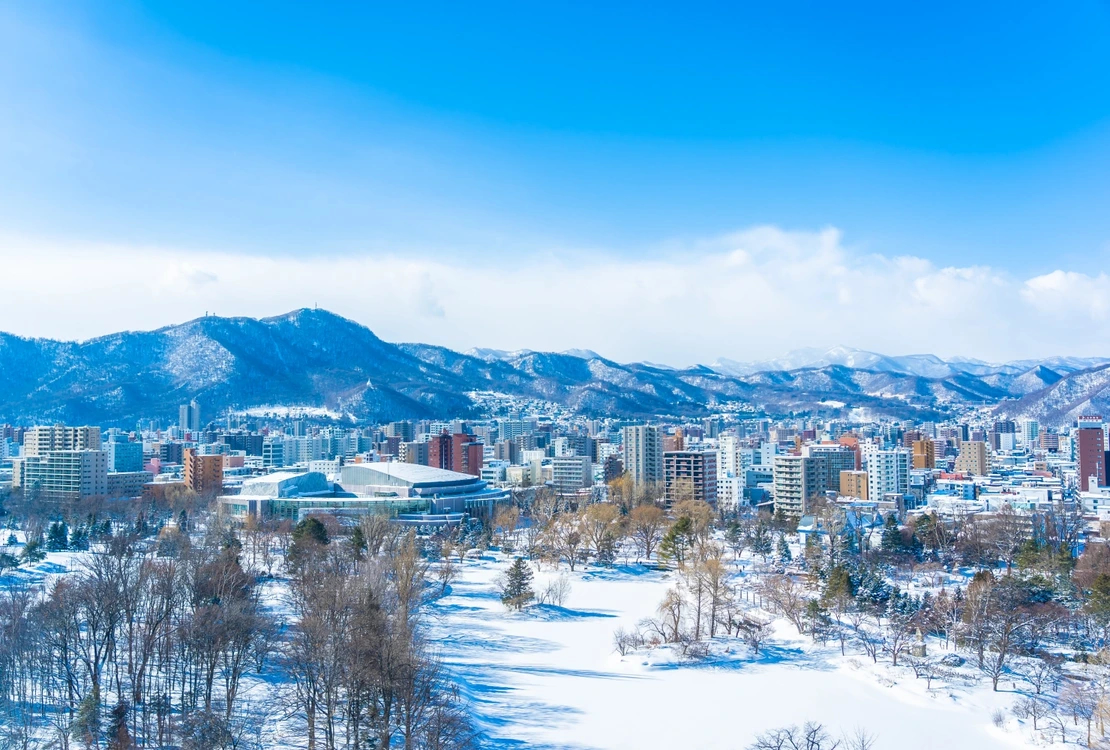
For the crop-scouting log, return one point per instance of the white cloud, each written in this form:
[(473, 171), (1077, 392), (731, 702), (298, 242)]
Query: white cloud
[(751, 294), (1069, 295), (180, 275)]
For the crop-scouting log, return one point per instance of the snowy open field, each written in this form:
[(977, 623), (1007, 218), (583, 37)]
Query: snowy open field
[(550, 678)]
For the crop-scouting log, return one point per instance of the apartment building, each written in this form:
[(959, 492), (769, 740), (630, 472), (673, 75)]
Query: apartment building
[(690, 475), (40, 440), (795, 481), (643, 453), (973, 458), (127, 483), (1090, 453), (124, 455), (204, 474), (853, 484), (571, 473), (888, 471), (831, 459), (62, 476), (459, 452), (924, 454)]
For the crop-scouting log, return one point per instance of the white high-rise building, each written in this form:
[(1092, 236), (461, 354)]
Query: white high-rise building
[(733, 463), (62, 475), (43, 439), (604, 450), (1030, 432), (766, 454), (563, 447), (887, 470), (571, 473), (795, 482)]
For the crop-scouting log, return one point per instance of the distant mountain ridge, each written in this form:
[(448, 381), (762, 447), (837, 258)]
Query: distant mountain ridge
[(318, 359), (924, 365)]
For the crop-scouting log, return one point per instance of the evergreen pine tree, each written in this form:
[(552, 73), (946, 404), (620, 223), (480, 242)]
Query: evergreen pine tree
[(516, 591), (1098, 601), (676, 542), (57, 537), (33, 551), (812, 551), (839, 585), (760, 541), (86, 722), (141, 527), (925, 530), (783, 551), (309, 537), (358, 544), (119, 738), (79, 539), (892, 535), (607, 552), (818, 618), (872, 590), (310, 529), (734, 535)]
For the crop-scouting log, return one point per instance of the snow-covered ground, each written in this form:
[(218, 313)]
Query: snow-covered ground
[(549, 678), (275, 411)]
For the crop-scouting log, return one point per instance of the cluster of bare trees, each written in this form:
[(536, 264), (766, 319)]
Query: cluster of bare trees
[(703, 603), (555, 531), (811, 736), (148, 642), (1032, 610), (1006, 536), (363, 672), (1034, 618), (158, 644)]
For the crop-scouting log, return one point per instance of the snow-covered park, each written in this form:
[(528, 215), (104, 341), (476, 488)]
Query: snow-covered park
[(549, 677)]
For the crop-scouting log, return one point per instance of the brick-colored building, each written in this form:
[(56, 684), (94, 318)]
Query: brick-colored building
[(204, 475), (1090, 453), (853, 484), (460, 452), (924, 454)]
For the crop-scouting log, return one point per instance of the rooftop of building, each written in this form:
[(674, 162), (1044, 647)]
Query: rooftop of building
[(287, 484), (391, 472)]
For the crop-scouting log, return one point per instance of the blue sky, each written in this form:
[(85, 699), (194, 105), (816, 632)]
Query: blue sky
[(514, 134)]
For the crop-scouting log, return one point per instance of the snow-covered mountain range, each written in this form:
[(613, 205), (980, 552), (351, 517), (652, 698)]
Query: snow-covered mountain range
[(313, 358), (925, 365)]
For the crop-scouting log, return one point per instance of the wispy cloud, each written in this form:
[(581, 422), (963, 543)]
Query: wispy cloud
[(186, 276)]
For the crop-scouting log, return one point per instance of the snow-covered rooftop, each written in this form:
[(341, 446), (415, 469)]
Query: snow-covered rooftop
[(287, 484), (413, 474)]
